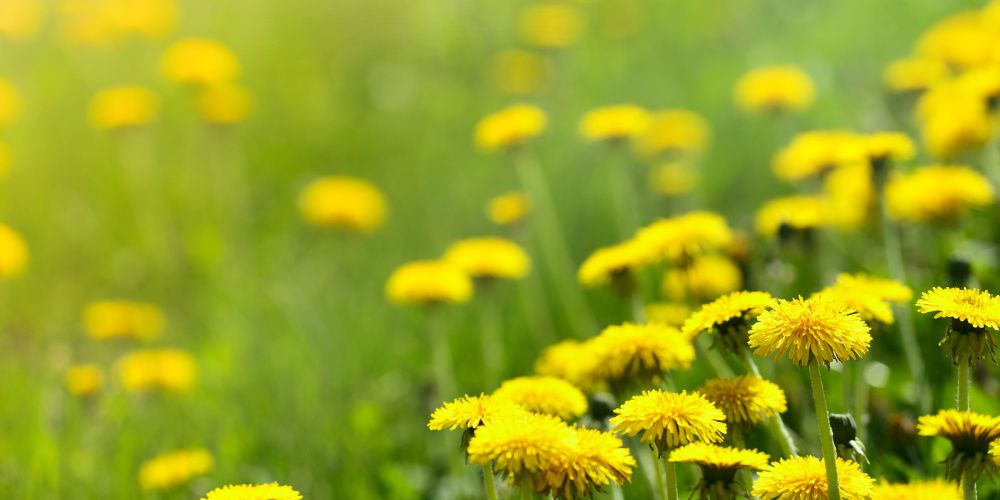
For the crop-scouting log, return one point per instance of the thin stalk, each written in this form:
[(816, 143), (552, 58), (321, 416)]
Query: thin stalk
[(860, 400), (489, 482), (969, 487), (649, 465), (671, 481), (616, 492), (492, 345), (963, 386), (775, 424), (661, 484), (444, 374), (718, 364), (825, 432), (624, 193), (638, 308)]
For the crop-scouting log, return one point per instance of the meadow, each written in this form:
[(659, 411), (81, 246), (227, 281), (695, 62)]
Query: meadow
[(178, 280)]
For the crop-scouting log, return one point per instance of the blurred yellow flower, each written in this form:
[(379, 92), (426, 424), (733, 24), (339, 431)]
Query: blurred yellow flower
[(468, 412), (914, 74), (489, 258), (171, 370), (885, 288), (797, 212), (849, 195), (776, 89), (510, 127), (746, 399), (675, 131), (199, 61), (551, 25), (669, 420), (10, 103), (953, 120), (543, 394), (224, 103), (889, 146), (683, 237), (174, 469), (631, 354), (931, 489), (98, 22), (709, 276), (960, 40), (614, 123), (572, 361), (21, 19), (804, 478), (84, 379), (120, 107), (508, 208), (520, 72), (118, 319), (268, 491), (672, 179), (14, 254), (668, 313), (817, 330), (428, 282), (871, 307), (609, 263), (719, 465), (937, 193), (813, 153), (343, 203)]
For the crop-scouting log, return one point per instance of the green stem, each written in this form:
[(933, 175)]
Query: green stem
[(671, 481), (616, 492), (969, 487), (963, 386), (444, 374), (775, 424), (638, 309), (860, 400), (493, 350), (718, 364), (825, 432), (661, 485), (624, 194), (489, 482)]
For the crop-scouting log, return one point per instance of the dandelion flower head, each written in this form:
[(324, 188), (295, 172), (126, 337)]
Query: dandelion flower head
[(489, 258), (914, 74), (508, 208), (675, 131), (933, 489), (668, 313), (817, 330), (510, 127), (522, 443), (971, 436), (719, 464), (746, 399), (670, 420), (543, 394), (736, 307), (121, 319), (937, 193), (269, 491), (799, 212), (609, 263), (199, 61), (813, 153), (122, 107), (775, 88), (573, 361), (428, 282), (84, 379), (614, 123), (631, 353), (672, 179), (804, 478), (21, 19), (174, 469), (224, 103), (343, 203), (170, 370), (468, 412), (596, 459), (684, 236), (551, 25)]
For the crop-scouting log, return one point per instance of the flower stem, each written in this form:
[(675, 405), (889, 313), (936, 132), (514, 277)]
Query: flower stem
[(625, 201), (969, 487), (856, 395), (444, 374), (775, 424), (718, 364), (671, 480), (490, 483), (661, 485), (493, 351), (825, 432), (963, 386)]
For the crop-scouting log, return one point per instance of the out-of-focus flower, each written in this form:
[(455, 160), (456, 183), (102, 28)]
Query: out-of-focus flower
[(508, 208), (953, 120), (10, 103), (199, 61), (885, 288), (343, 203), (97, 22), (729, 312), (668, 313), (14, 254), (776, 89), (719, 465), (543, 394), (817, 330), (614, 123), (675, 131), (510, 127), (970, 434), (428, 282), (850, 195), (270, 491), (931, 489), (706, 277), (551, 25), (670, 420), (611, 263), (937, 193), (797, 212), (814, 153), (121, 107), (21, 19), (888, 146), (170, 370), (683, 237), (489, 258), (803, 478), (672, 179), (960, 40), (174, 469), (469, 412), (572, 361), (84, 379), (224, 103), (630, 355), (117, 319), (914, 74), (746, 400), (868, 296), (520, 72)]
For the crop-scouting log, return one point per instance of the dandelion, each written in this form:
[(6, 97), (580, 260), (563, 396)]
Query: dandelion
[(224, 103), (523, 444), (122, 319), (729, 317), (884, 288), (548, 395), (680, 238), (174, 469), (170, 370), (469, 412), (802, 478), (269, 491), (613, 264), (597, 459), (122, 107), (775, 89), (551, 25), (520, 72), (510, 127), (815, 153), (719, 465), (961, 40), (614, 123), (632, 355), (849, 194), (796, 212), (914, 74), (84, 379), (674, 131), (668, 313), (573, 361), (489, 258), (21, 19), (672, 179), (509, 208), (148, 18), (343, 203), (971, 436), (200, 62), (933, 489), (10, 100), (938, 193), (710, 276), (428, 283), (953, 120), (869, 306), (746, 400), (882, 147), (14, 255)]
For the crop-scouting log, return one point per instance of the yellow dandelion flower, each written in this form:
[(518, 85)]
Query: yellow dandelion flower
[(10, 102), (121, 107), (961, 40), (147, 18), (610, 263), (775, 88), (119, 319), (269, 491), (937, 193), (675, 131), (668, 313), (21, 19), (746, 400), (817, 330), (174, 469), (343, 203), (719, 465), (629, 353), (551, 25), (970, 434), (813, 153), (670, 420), (489, 258), (953, 121), (797, 212), (468, 412), (885, 288), (84, 380), (427, 283), (914, 74), (672, 179), (871, 307), (14, 255), (710, 276), (885, 146), (543, 394), (520, 72), (849, 195), (510, 127), (522, 442), (508, 208), (804, 478), (726, 313), (933, 489), (224, 103), (171, 370), (614, 123), (199, 61), (597, 459), (572, 361), (978, 309), (685, 236)]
